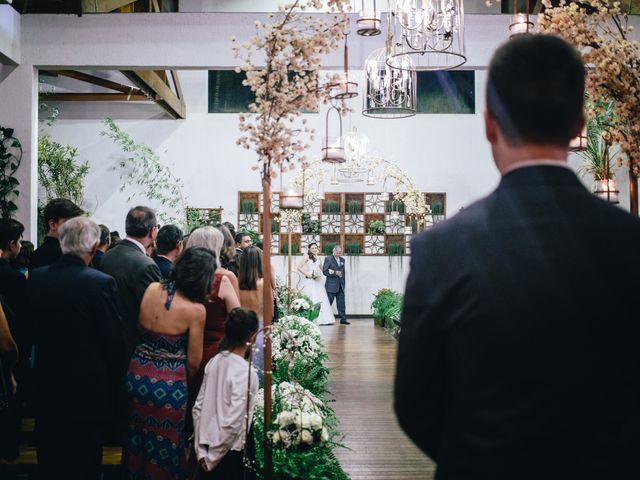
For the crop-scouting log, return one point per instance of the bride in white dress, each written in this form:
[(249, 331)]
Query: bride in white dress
[(312, 284)]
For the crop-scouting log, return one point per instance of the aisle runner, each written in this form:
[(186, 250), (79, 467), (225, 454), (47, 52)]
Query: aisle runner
[(362, 362)]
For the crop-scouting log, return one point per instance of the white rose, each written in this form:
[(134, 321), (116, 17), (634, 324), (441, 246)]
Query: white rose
[(276, 437), (305, 420), (285, 418), (316, 421), (306, 437), (324, 436), (285, 438)]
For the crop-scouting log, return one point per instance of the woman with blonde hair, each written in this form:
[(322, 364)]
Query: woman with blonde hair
[(224, 298)]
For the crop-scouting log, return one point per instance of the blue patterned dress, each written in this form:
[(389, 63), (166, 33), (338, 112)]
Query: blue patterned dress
[(157, 386)]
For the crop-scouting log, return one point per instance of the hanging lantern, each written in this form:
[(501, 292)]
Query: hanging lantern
[(320, 191), (431, 31), (520, 23), (334, 177), (579, 143), (356, 145), (332, 147), (370, 180), (390, 90), (607, 190), (292, 198), (344, 87), (369, 19), (395, 213)]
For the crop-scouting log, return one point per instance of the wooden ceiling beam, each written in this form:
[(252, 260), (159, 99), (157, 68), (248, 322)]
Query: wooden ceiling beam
[(92, 79), (153, 85), (104, 6), (93, 97)]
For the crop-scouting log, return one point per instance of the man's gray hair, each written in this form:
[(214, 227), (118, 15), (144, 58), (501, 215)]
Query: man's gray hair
[(337, 247), (78, 236), (207, 237)]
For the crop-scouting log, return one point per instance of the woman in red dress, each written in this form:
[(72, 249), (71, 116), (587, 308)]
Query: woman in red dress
[(223, 299)]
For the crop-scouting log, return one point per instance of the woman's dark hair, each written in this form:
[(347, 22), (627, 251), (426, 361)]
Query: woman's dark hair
[(23, 260), (250, 268), (312, 257), (10, 231), (228, 251), (193, 273), (104, 235), (240, 325)]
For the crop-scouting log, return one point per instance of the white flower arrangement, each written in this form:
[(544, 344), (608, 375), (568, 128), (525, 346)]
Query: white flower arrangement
[(295, 336), (300, 304), (300, 423)]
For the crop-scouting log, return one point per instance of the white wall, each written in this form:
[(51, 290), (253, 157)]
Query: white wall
[(442, 152)]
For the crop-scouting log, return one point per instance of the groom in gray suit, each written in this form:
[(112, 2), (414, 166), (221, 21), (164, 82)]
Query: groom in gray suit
[(333, 269)]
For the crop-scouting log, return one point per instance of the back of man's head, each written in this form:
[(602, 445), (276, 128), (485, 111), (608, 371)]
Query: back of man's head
[(11, 230), (139, 221), (535, 90), (168, 238), (105, 235), (60, 208), (79, 236)]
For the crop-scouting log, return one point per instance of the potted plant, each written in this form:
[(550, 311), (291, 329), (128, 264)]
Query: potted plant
[(354, 207), (353, 249), (331, 207), (395, 249), (597, 154), (248, 206), (376, 227)]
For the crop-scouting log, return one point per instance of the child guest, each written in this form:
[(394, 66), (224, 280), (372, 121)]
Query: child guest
[(219, 414)]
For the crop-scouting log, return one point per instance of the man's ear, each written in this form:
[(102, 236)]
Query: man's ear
[(490, 128)]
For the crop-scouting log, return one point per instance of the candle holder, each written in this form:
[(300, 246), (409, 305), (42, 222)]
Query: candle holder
[(369, 19), (333, 147), (607, 190)]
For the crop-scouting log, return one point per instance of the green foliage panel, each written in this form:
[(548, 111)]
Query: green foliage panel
[(450, 91)]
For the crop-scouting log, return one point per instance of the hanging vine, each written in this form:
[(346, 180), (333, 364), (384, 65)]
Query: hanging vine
[(10, 158), (142, 167)]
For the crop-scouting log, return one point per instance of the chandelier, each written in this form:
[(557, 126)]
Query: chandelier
[(333, 146), (431, 31), (355, 168), (390, 90)]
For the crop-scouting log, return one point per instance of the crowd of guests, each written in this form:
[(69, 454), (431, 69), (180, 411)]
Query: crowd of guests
[(108, 338)]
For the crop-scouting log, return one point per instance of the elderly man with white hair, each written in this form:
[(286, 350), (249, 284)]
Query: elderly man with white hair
[(79, 360)]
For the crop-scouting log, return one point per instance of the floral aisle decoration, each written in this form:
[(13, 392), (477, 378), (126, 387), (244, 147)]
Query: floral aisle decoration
[(142, 167), (282, 67), (303, 306), (298, 353), (600, 30), (387, 309), (304, 431)]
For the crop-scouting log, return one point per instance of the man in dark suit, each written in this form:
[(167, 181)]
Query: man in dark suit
[(105, 243), (333, 269), (518, 355), (132, 269), (13, 286), (56, 212), (80, 347), (168, 246)]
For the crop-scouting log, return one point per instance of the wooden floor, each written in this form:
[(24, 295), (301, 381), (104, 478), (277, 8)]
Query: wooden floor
[(362, 361)]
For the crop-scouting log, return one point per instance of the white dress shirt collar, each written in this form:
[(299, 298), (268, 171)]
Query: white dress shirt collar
[(137, 243), (537, 163)]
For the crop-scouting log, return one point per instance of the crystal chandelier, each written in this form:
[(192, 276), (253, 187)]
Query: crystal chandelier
[(356, 147), (390, 90), (431, 31)]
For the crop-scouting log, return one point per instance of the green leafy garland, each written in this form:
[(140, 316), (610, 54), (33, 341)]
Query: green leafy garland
[(145, 169), (10, 158)]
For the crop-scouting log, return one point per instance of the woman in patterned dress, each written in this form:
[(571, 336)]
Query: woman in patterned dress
[(171, 324)]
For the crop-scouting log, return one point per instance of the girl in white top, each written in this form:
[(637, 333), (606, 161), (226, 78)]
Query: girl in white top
[(219, 414)]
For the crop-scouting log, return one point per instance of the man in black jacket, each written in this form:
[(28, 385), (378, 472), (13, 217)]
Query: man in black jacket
[(132, 269), (518, 356), (79, 345), (56, 212), (169, 244)]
